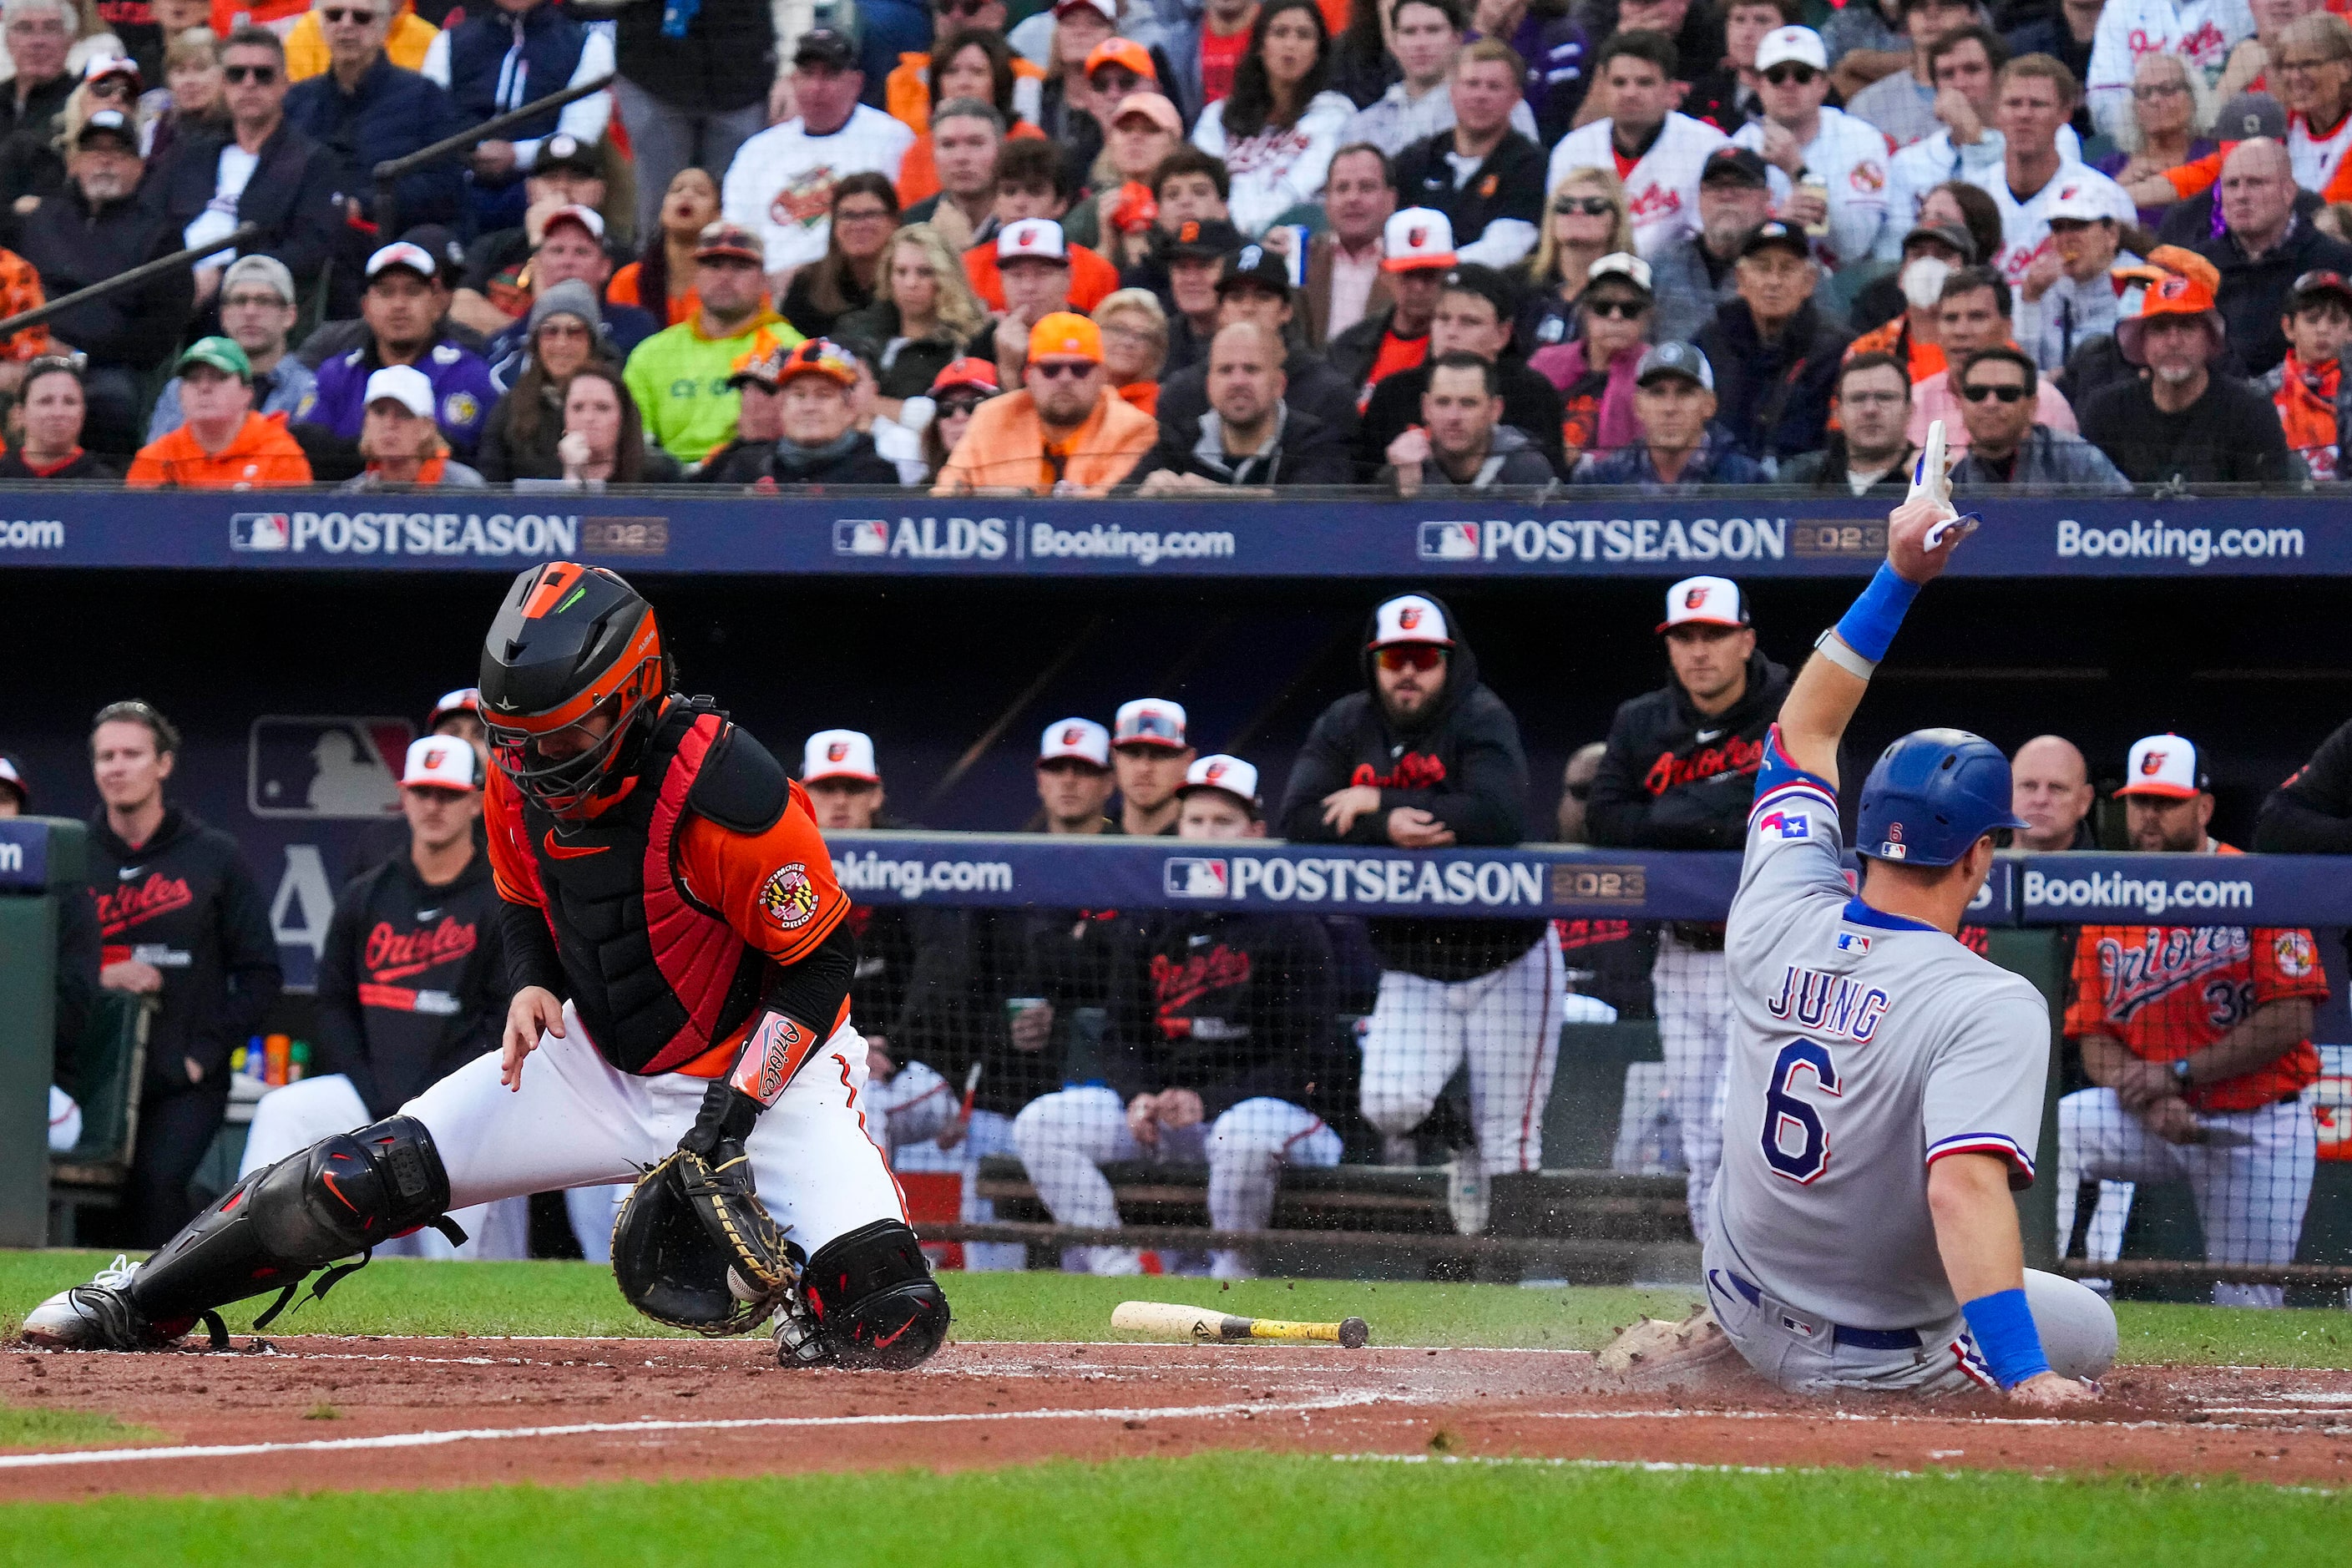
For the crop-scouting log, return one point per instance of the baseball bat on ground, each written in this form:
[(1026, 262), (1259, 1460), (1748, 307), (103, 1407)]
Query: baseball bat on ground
[(1198, 1323)]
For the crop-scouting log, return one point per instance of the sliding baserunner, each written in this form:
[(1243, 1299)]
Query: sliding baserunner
[(1886, 1083)]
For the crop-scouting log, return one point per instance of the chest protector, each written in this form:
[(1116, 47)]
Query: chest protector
[(657, 977)]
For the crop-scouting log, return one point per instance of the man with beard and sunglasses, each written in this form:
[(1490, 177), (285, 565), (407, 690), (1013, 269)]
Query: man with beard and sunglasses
[(680, 961), (1427, 757), (2006, 445)]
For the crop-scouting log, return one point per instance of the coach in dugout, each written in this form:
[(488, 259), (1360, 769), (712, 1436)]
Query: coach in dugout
[(412, 986), (2197, 1042), (180, 918), (1426, 757), (1680, 774)]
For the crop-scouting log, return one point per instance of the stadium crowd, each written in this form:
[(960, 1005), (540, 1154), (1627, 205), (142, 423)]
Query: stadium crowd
[(1165, 245), (1244, 1040)]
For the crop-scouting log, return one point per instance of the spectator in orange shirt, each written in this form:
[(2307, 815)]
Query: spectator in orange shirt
[(20, 290), (664, 273), (1065, 433), (1030, 182), (968, 66), (1135, 345), (223, 445)]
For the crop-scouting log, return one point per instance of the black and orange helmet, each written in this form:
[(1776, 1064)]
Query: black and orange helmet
[(573, 674)]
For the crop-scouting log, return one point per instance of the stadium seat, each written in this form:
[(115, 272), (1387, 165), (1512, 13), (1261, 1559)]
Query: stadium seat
[(112, 1060)]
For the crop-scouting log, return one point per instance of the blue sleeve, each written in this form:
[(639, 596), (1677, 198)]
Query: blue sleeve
[(1777, 773)]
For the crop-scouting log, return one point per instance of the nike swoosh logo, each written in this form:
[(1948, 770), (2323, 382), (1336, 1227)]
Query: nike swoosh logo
[(1705, 735), (428, 914), (570, 852), (127, 872), (882, 1342)]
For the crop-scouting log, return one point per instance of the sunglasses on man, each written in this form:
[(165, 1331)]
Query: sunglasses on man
[(1976, 392), (1056, 369), (239, 75), (1418, 656), (1618, 309), (1782, 76), (339, 15)]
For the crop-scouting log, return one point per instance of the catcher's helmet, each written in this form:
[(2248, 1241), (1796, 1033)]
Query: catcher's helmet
[(571, 643), (1932, 795)]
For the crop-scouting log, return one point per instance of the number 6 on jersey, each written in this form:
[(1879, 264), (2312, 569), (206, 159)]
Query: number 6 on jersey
[(1784, 1113)]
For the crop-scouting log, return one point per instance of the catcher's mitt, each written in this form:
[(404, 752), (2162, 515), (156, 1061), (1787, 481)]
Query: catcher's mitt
[(693, 1247)]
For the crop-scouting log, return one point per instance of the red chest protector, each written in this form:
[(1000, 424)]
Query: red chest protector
[(657, 977)]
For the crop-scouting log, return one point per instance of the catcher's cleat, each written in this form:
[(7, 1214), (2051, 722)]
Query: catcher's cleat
[(1654, 1351), (99, 1316)]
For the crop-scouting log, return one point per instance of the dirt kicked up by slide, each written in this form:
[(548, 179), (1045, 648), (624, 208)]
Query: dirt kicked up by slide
[(329, 1413)]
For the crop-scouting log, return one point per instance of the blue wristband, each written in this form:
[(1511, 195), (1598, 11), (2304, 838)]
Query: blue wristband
[(2006, 1336), (1870, 625)]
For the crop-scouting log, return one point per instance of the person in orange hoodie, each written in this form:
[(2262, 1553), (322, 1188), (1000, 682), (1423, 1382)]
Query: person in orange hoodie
[(223, 445), (1030, 182), (1066, 433), (907, 92)]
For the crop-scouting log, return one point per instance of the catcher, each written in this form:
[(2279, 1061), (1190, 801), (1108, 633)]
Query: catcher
[(680, 966)]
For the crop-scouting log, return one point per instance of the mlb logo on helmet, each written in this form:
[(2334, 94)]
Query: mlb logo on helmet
[(1894, 848)]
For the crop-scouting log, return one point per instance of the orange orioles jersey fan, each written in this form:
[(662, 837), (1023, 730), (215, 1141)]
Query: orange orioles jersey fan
[(2168, 991)]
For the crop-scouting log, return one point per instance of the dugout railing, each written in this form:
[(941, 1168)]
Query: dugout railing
[(987, 926)]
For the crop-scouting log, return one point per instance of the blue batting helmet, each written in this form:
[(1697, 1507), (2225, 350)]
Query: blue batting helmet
[(1932, 795)]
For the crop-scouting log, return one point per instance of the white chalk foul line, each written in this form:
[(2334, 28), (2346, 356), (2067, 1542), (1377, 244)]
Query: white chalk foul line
[(745, 1424)]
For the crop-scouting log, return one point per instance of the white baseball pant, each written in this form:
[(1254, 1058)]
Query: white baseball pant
[(2251, 1182), (1801, 1353), (65, 1122), (1693, 999), (576, 1121), (1065, 1139), (294, 1117), (1505, 1024), (916, 1106)]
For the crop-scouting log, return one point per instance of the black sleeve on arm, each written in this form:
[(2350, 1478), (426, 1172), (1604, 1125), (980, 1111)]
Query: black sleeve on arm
[(531, 958), (2260, 452), (340, 1029), (811, 991), (1617, 811), (248, 959), (2311, 814), (1321, 768)]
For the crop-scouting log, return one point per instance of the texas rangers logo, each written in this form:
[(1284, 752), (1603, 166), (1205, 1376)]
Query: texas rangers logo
[(1787, 824), (789, 897)]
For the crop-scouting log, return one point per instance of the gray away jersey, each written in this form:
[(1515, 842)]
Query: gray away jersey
[(1863, 1047)]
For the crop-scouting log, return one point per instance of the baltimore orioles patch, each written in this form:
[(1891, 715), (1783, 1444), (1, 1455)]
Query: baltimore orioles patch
[(789, 897)]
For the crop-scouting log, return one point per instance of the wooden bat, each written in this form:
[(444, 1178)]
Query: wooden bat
[(1200, 1323)]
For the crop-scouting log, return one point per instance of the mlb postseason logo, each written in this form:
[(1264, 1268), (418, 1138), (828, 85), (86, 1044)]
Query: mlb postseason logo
[(260, 531), (861, 536), (1449, 541), (1185, 877)]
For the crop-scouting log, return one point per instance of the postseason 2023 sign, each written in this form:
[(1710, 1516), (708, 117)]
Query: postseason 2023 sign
[(1565, 533)]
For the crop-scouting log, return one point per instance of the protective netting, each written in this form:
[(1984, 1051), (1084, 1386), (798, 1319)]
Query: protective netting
[(1233, 1092)]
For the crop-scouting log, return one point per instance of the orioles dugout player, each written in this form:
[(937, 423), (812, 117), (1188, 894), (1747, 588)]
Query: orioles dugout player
[(680, 967), (1886, 1083)]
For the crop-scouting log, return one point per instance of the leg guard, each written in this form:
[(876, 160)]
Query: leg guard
[(866, 1299), (336, 1198)]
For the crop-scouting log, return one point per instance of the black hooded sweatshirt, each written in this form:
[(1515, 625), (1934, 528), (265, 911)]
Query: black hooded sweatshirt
[(1232, 1006), (412, 981), (1461, 762), (1675, 778), (185, 902)]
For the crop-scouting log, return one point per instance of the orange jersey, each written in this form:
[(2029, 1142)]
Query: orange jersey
[(773, 890), (260, 454), (2168, 991)]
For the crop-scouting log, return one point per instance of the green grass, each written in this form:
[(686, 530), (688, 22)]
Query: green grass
[(23, 1428), (1235, 1510), (400, 1296)]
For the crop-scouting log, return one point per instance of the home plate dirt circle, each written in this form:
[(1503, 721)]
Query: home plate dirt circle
[(332, 1413)]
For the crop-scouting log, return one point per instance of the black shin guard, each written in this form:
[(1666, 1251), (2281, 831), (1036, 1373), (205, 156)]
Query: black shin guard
[(873, 1300), (341, 1196)]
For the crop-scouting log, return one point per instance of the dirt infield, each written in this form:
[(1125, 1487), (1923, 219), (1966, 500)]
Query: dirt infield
[(323, 1413)]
